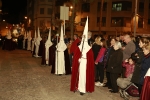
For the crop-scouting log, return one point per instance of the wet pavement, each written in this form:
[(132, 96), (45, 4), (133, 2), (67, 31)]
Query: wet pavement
[(22, 77)]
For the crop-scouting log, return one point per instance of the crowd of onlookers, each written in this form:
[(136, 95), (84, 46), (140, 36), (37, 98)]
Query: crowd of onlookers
[(125, 59)]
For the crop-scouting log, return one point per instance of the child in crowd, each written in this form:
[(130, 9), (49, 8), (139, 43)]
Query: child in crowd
[(129, 66), (123, 83)]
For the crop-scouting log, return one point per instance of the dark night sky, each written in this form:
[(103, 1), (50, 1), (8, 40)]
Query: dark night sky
[(14, 10)]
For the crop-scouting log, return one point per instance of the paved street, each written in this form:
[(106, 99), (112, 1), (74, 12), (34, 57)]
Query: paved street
[(23, 78)]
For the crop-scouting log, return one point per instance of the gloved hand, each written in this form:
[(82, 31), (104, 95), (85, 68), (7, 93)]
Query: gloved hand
[(79, 60)]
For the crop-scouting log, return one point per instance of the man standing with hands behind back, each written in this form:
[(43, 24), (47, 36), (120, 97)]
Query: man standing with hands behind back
[(128, 49)]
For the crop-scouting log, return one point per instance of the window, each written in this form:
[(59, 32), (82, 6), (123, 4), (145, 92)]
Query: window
[(141, 7), (140, 22), (117, 7), (41, 10), (86, 7), (117, 21), (49, 11), (122, 6), (103, 21)]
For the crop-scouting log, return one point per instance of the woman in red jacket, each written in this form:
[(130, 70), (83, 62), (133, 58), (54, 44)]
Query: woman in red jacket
[(99, 62)]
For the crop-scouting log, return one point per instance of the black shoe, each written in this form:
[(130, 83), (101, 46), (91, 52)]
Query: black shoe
[(81, 93), (112, 91), (105, 86), (109, 87)]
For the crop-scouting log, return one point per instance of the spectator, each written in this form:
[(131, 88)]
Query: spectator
[(96, 47), (129, 66), (145, 65), (109, 51), (115, 66), (128, 49), (90, 40), (99, 62), (138, 57)]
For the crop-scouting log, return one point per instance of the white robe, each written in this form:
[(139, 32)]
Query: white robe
[(82, 68), (37, 44), (47, 45), (59, 58), (29, 44)]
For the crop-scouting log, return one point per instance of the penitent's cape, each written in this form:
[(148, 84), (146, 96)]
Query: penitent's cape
[(89, 71)]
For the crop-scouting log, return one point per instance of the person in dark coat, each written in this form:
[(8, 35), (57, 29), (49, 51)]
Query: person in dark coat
[(96, 47), (145, 65), (109, 51), (115, 66), (100, 62), (138, 57)]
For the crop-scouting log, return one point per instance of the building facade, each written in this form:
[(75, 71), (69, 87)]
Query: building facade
[(117, 16), (39, 13)]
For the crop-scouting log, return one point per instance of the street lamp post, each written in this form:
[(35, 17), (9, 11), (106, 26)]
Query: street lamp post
[(101, 14), (72, 19), (135, 18), (25, 22)]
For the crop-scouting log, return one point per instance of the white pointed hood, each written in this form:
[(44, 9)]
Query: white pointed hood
[(84, 42), (39, 36), (35, 35), (61, 35), (29, 35), (148, 73), (25, 35), (48, 42), (8, 35), (61, 46)]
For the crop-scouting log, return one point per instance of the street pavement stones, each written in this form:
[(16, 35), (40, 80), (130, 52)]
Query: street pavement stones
[(22, 77)]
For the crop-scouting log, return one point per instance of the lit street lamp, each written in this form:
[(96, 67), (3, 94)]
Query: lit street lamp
[(25, 17)]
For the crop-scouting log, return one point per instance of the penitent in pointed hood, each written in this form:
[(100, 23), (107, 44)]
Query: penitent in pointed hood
[(8, 35), (61, 35), (84, 41), (48, 42), (39, 36), (61, 45), (29, 35), (25, 35), (35, 35)]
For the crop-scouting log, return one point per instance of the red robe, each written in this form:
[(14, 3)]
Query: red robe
[(74, 45), (89, 71), (145, 94)]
